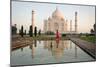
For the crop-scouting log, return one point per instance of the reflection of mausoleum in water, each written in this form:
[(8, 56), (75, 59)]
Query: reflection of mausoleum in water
[(56, 47)]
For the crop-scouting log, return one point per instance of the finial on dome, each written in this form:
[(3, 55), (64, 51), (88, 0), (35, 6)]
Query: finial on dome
[(33, 11)]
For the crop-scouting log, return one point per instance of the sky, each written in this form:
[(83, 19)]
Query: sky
[(22, 14)]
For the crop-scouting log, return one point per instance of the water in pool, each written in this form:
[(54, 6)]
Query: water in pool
[(51, 51)]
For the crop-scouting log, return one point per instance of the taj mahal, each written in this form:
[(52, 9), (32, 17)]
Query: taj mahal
[(58, 22)]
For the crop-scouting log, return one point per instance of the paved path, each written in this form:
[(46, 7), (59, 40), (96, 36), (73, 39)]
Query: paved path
[(88, 47), (18, 42)]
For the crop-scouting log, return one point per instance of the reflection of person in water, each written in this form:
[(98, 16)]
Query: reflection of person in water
[(57, 38), (57, 42)]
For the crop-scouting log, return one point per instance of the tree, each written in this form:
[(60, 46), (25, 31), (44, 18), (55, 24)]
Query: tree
[(92, 31), (39, 33), (31, 31), (94, 28), (35, 31), (25, 32), (14, 30), (21, 31)]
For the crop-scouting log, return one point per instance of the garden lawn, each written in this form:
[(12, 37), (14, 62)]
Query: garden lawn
[(89, 38)]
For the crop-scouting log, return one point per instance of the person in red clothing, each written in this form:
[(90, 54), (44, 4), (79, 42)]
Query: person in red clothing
[(57, 35)]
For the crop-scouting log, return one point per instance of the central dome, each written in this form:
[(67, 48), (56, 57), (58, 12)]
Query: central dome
[(58, 14)]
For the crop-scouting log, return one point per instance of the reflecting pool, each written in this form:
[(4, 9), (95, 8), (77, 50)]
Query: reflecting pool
[(51, 51)]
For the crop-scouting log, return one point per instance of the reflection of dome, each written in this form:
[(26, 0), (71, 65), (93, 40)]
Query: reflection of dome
[(58, 14)]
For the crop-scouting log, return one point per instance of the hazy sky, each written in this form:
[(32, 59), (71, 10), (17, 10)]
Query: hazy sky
[(22, 14)]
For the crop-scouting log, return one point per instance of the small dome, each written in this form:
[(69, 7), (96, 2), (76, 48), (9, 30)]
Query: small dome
[(58, 14)]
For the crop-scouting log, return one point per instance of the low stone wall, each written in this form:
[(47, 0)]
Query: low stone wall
[(18, 42)]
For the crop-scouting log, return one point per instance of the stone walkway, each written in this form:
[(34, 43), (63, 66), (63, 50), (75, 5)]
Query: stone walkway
[(18, 42), (88, 47)]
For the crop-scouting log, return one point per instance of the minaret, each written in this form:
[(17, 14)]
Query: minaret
[(33, 20), (70, 26), (75, 22)]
